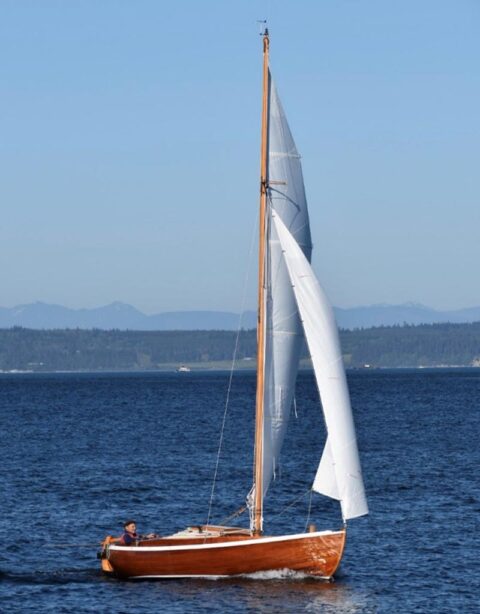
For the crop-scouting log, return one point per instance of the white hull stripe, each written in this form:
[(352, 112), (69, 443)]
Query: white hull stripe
[(246, 542), (207, 577), (183, 575)]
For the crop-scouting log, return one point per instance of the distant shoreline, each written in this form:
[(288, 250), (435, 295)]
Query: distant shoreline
[(195, 369), (441, 346)]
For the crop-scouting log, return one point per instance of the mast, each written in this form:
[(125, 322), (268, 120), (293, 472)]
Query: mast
[(258, 503)]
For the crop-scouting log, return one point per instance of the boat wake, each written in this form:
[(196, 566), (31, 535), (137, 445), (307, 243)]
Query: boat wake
[(283, 574)]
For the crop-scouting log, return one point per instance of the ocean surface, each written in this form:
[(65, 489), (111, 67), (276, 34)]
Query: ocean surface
[(80, 453)]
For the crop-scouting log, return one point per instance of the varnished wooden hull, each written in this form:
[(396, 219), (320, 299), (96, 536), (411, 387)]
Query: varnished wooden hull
[(316, 554)]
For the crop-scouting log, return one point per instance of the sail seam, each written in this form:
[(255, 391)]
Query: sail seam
[(284, 154)]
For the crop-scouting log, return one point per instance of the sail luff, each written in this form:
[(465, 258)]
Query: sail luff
[(259, 406), (284, 333)]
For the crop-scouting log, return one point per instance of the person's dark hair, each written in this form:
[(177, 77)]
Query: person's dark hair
[(127, 522)]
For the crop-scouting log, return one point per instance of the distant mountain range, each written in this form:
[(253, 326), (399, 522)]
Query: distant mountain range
[(125, 317), (120, 316), (408, 313)]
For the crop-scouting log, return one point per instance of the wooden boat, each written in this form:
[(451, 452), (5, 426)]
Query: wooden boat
[(291, 306), (224, 551)]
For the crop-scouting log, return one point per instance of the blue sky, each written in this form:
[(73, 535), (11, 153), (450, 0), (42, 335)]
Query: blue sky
[(129, 148)]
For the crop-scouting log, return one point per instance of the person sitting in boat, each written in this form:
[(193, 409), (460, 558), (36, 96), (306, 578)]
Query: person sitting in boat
[(130, 536)]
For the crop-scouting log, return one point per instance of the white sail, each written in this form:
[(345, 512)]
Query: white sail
[(325, 481), (284, 334), (341, 453)]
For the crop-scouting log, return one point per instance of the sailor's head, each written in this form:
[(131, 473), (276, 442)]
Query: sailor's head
[(130, 526)]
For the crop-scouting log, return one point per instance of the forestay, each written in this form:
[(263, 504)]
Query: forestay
[(284, 334), (339, 474)]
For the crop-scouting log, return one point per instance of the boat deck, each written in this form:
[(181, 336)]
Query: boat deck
[(200, 534)]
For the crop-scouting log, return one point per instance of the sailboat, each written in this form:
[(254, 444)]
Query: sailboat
[(291, 306)]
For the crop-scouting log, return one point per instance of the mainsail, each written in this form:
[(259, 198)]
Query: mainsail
[(284, 335), (340, 458)]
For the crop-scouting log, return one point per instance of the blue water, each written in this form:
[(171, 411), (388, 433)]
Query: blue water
[(80, 453)]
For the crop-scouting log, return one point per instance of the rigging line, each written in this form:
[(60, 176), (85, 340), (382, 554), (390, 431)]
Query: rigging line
[(232, 368), (238, 512), (309, 510), (294, 502)]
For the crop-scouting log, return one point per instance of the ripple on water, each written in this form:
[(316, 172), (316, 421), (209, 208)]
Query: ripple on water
[(88, 451)]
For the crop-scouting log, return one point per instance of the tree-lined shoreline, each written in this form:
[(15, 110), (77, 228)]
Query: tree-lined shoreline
[(426, 345)]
